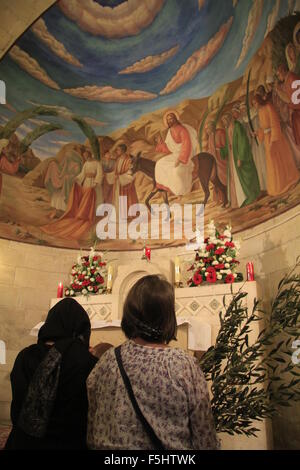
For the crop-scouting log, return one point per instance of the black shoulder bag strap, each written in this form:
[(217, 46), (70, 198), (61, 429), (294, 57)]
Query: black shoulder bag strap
[(154, 439)]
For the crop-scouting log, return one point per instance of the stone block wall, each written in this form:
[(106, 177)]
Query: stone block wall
[(29, 276)]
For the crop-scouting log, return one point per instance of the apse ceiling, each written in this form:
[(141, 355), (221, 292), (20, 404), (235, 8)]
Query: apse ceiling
[(113, 61)]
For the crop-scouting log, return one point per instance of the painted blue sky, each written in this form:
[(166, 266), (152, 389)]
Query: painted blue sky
[(178, 23)]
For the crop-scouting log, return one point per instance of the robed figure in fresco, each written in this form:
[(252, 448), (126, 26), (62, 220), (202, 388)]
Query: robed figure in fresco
[(59, 180), (243, 185), (122, 181), (282, 172), (85, 195), (6, 166), (174, 172), (215, 141)]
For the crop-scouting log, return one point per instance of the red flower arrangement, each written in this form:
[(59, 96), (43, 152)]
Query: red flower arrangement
[(87, 275), (216, 260)]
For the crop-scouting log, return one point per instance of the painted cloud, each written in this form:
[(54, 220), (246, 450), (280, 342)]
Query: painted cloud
[(39, 28), (109, 94), (127, 19), (32, 67), (150, 62), (198, 60), (253, 22)]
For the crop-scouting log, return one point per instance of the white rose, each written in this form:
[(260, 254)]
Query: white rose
[(228, 258), (67, 292), (84, 291), (237, 244), (71, 292), (86, 277), (227, 265), (221, 258), (92, 279), (219, 277), (235, 275), (206, 274), (90, 288), (215, 262), (203, 269), (84, 273)]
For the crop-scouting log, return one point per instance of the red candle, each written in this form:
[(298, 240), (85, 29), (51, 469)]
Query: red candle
[(60, 290), (148, 253), (250, 271)]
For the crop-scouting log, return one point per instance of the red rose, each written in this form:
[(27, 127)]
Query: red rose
[(197, 279), (205, 240), (86, 283), (212, 275), (100, 279), (230, 244), (87, 263), (235, 261), (210, 270), (219, 251), (102, 264), (210, 247), (93, 271), (219, 266), (95, 258), (221, 237), (95, 288), (229, 279), (191, 268)]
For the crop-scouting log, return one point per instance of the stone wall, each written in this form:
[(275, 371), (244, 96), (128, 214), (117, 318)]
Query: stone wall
[(29, 276)]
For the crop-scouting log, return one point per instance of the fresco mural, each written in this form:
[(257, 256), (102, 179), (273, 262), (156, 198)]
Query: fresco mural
[(157, 100)]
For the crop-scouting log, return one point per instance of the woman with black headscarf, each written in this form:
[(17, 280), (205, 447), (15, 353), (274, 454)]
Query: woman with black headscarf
[(49, 398)]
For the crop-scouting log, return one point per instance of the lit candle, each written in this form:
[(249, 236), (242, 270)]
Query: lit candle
[(177, 270), (250, 271), (109, 277), (60, 290), (148, 253)]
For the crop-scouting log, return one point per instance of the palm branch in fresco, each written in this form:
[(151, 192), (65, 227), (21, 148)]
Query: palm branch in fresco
[(202, 128), (90, 134), (12, 125), (36, 133)]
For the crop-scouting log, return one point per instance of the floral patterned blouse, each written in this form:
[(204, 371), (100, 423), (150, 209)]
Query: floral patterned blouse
[(171, 391)]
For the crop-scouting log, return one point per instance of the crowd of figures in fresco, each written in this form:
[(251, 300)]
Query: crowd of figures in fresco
[(248, 149)]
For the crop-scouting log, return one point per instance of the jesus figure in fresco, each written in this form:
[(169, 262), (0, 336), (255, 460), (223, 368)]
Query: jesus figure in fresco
[(174, 172)]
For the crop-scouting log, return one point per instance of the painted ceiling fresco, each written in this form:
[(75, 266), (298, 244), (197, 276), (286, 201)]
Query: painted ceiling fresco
[(157, 100)]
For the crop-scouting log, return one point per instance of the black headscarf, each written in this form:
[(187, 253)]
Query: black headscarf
[(69, 327)]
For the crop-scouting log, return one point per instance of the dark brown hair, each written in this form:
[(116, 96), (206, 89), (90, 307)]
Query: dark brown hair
[(149, 310)]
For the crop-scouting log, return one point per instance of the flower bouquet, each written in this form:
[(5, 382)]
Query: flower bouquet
[(216, 261), (87, 275)]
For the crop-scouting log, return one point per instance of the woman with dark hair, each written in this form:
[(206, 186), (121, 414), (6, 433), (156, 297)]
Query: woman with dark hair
[(144, 394), (49, 398)]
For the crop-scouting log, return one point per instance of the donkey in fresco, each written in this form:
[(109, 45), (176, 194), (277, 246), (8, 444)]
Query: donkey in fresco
[(207, 171)]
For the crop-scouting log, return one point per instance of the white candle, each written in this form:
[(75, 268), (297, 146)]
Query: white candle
[(177, 270), (109, 277)]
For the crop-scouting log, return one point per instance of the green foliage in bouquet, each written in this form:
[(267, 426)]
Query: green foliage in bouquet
[(87, 275), (252, 380)]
